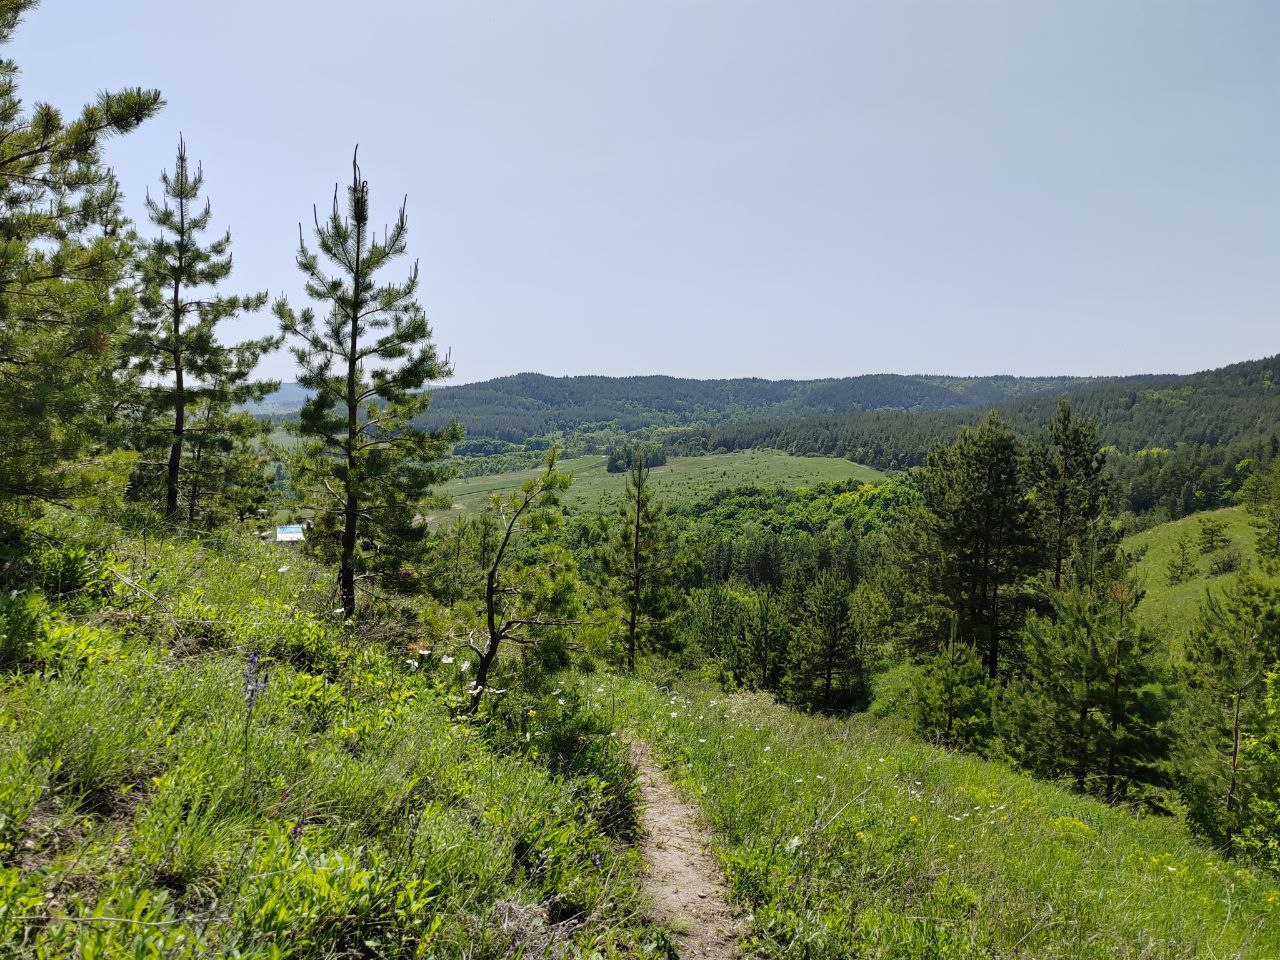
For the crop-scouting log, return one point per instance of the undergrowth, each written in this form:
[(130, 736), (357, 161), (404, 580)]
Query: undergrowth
[(197, 758)]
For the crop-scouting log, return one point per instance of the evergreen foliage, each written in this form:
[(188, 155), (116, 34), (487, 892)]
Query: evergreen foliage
[(365, 468), (640, 560), (191, 380), (64, 294), (980, 548), (1091, 704)]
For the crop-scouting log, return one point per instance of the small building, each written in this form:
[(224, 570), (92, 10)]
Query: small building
[(290, 533)]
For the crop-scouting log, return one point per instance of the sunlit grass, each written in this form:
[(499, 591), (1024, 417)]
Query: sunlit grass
[(843, 840)]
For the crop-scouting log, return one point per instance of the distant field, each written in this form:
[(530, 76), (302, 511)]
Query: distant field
[(682, 479), (1175, 606)]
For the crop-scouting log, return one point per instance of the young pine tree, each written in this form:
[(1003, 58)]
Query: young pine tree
[(953, 700), (364, 466), (64, 301), (1213, 534), (1182, 564), (640, 560), (175, 340), (1262, 501), (1092, 703), (1230, 650)]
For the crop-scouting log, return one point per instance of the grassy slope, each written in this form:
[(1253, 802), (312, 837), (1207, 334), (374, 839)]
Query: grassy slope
[(682, 479), (843, 840), (1173, 607), (145, 811)]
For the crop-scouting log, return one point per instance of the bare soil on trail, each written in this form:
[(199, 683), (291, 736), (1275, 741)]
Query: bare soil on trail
[(682, 877)]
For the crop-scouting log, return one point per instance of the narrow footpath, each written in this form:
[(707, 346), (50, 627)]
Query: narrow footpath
[(682, 877)]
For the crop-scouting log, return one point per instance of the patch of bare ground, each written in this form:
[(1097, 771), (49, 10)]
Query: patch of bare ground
[(682, 876)]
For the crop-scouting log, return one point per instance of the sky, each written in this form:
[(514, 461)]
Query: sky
[(720, 188)]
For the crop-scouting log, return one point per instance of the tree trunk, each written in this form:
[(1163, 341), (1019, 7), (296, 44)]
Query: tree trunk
[(635, 573), (351, 509), (1235, 766), (179, 389)]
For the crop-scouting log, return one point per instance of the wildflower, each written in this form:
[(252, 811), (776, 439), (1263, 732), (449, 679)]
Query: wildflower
[(296, 832), (859, 835), (674, 714), (767, 749), (560, 701), (446, 659), (702, 739), (255, 681), (464, 666), (532, 713)]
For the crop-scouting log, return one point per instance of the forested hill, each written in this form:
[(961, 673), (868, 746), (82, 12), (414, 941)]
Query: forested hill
[(525, 405), (1213, 408)]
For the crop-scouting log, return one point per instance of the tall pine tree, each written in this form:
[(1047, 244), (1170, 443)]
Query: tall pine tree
[(175, 341), (979, 548), (64, 302), (364, 466), (639, 558)]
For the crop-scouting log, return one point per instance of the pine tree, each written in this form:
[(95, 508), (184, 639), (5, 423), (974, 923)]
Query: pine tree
[(1070, 488), (1213, 534), (952, 704), (639, 558), (823, 670), (175, 341), (979, 548), (837, 643), (1230, 650), (364, 465), (1182, 565), (1262, 500), (1092, 703), (64, 301)]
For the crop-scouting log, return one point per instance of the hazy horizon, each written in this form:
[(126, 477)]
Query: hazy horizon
[(722, 189)]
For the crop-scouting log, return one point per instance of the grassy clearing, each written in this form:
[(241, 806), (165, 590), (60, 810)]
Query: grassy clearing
[(682, 479), (1173, 607), (843, 840), (150, 807)]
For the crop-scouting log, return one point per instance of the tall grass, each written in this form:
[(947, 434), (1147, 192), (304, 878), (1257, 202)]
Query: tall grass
[(841, 839)]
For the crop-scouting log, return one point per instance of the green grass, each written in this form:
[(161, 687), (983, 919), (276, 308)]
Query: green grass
[(146, 810), (681, 480), (841, 840), (1172, 607)]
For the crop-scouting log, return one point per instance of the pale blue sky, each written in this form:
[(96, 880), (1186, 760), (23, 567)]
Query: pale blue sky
[(730, 188)]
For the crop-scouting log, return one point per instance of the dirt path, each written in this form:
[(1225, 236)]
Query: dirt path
[(682, 876)]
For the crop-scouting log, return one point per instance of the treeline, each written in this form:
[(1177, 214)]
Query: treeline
[(528, 405)]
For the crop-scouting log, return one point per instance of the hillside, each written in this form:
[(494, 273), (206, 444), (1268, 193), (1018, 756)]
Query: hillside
[(1212, 408), (681, 480), (840, 839), (1172, 607), (524, 405), (196, 760)]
